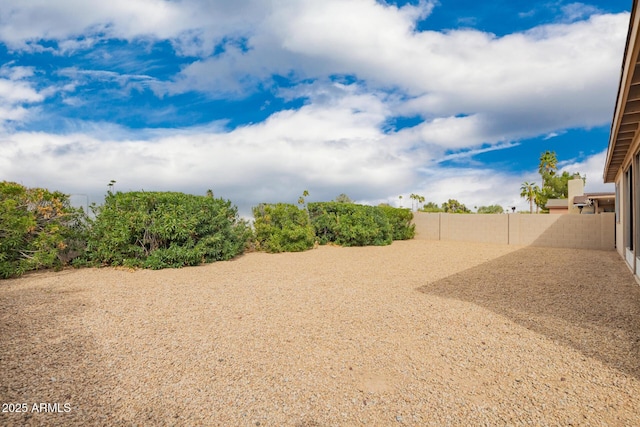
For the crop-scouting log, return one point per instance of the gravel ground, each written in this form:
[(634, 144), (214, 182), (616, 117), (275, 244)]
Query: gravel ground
[(417, 333)]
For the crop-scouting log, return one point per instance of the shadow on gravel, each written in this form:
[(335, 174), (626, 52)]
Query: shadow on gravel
[(44, 361), (587, 300)]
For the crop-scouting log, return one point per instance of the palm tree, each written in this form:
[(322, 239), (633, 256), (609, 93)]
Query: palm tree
[(540, 198), (548, 163), (529, 190)]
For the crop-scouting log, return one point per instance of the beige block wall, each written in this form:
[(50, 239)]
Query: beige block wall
[(427, 225), (567, 231), (475, 228), (608, 236)]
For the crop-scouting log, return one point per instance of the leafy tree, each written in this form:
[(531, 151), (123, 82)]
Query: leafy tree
[(38, 229), (164, 229), (540, 200), (558, 185), (554, 186), (454, 206), (282, 227), (349, 224), (492, 209), (400, 221), (343, 198), (431, 207), (528, 190)]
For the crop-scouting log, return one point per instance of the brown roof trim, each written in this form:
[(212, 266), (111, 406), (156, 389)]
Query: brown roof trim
[(607, 194), (608, 173), (580, 200)]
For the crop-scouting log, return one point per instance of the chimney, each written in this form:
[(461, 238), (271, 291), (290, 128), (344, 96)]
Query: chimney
[(576, 188)]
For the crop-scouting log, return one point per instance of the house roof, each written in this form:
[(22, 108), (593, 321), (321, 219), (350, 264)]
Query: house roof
[(582, 200), (626, 117), (557, 203)]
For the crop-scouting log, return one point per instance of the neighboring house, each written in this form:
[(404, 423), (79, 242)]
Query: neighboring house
[(580, 202), (622, 165), (595, 203), (558, 206)]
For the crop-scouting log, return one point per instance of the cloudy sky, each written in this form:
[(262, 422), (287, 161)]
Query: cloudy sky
[(262, 99)]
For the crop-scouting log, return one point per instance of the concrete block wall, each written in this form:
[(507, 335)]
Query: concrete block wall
[(427, 226), (475, 228), (564, 231)]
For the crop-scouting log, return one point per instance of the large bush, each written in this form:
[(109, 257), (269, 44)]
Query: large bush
[(400, 221), (38, 229), (348, 224), (282, 227), (165, 229)]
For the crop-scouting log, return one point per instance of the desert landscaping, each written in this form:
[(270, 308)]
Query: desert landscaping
[(423, 333)]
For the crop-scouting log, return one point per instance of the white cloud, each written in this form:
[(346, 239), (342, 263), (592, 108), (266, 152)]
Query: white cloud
[(476, 92), (193, 26), (327, 149), (592, 167), (472, 187), (484, 186), (576, 11), (17, 96), (522, 85)]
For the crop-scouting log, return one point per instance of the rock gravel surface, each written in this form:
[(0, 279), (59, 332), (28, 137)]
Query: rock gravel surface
[(419, 333)]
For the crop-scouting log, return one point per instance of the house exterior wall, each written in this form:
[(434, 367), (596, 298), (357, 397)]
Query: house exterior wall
[(558, 211), (618, 220), (628, 224), (622, 165), (564, 231)]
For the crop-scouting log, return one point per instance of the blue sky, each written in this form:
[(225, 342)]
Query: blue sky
[(262, 99)]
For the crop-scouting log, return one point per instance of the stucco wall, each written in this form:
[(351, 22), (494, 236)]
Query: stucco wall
[(565, 231)]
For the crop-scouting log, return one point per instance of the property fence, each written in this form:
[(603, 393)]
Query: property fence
[(563, 231)]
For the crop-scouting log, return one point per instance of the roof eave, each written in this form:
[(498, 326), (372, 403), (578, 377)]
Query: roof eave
[(626, 72)]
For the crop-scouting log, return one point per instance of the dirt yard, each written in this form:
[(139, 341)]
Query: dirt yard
[(421, 333)]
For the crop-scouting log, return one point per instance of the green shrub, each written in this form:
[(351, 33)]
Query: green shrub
[(165, 229), (282, 227), (400, 220), (349, 224), (38, 229)]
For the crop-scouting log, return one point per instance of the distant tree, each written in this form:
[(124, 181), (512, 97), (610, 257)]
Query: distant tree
[(528, 190), (548, 164), (554, 186), (492, 209), (540, 200), (301, 199), (557, 187), (431, 207), (454, 206), (417, 199), (343, 198)]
